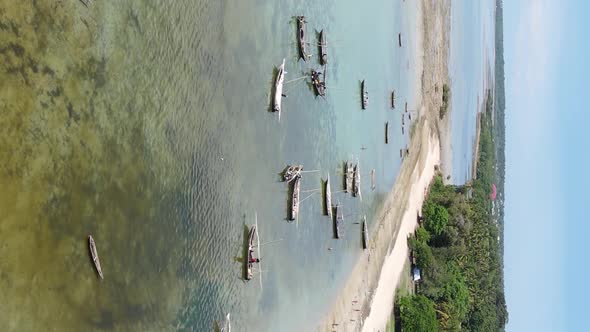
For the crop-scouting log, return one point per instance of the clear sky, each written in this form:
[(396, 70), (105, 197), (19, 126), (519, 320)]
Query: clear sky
[(547, 232)]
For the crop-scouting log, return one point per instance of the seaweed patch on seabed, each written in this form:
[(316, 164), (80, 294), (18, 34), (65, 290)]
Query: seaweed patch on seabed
[(74, 161)]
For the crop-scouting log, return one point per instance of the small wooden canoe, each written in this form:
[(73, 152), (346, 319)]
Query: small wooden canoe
[(328, 198), (94, 255), (323, 49), (399, 39), (301, 37), (337, 218), (393, 99), (364, 95), (365, 233), (252, 234), (387, 132), (294, 206), (276, 106), (373, 179)]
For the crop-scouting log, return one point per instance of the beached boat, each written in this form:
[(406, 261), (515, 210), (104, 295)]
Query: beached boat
[(294, 206), (364, 95), (301, 37), (393, 99), (349, 176), (337, 219), (356, 183), (276, 106), (328, 198), (365, 233), (252, 240), (373, 179), (323, 49), (94, 255), (387, 132), (291, 172)]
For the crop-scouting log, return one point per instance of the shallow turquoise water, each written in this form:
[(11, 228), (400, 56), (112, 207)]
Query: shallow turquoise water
[(146, 124)]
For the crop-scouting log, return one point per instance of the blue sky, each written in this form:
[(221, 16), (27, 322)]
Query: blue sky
[(547, 233)]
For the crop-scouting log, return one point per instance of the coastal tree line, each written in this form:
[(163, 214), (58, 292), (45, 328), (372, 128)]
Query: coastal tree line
[(458, 248)]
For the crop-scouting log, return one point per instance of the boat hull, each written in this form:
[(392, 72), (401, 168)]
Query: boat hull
[(94, 256)]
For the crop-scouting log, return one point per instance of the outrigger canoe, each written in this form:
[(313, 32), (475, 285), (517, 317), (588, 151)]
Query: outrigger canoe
[(276, 106), (252, 238), (323, 49), (365, 233), (328, 198), (294, 206), (94, 256), (364, 95), (301, 37)]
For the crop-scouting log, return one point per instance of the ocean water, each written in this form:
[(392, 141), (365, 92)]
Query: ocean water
[(146, 124), (471, 57)]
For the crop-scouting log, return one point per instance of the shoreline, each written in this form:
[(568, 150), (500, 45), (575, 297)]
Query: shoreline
[(366, 301)]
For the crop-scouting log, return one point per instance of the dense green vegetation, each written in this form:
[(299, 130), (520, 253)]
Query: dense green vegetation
[(458, 248), (446, 97)]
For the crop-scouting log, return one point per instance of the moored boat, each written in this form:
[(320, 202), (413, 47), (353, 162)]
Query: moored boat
[(291, 172), (328, 198), (276, 107), (356, 183), (365, 233), (294, 206), (393, 99), (349, 176), (337, 219), (399, 38), (94, 255), (373, 179), (301, 37), (252, 239), (226, 326), (318, 85), (387, 132), (323, 49), (364, 95)]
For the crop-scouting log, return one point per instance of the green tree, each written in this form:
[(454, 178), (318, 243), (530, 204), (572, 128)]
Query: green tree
[(437, 218), (417, 314)]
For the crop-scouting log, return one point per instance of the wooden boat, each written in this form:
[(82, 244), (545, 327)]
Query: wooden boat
[(318, 85), (365, 233), (406, 106), (373, 179), (356, 183), (349, 176), (393, 99), (252, 239), (364, 95), (387, 132), (328, 198), (276, 106), (402, 130), (291, 172), (399, 38), (301, 37), (323, 49), (94, 255), (226, 326), (294, 206), (337, 218)]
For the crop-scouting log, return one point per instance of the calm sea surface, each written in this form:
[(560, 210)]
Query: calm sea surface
[(146, 124), (472, 55)]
